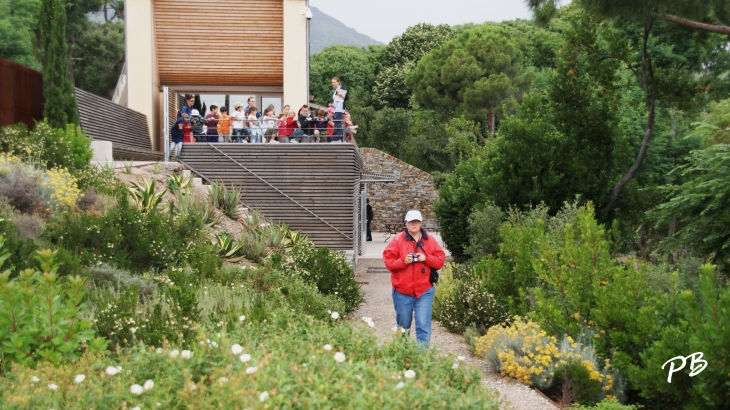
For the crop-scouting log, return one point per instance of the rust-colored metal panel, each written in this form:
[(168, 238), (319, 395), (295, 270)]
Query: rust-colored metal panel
[(190, 41), (21, 94)]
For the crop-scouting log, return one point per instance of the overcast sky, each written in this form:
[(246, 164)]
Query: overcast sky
[(385, 19)]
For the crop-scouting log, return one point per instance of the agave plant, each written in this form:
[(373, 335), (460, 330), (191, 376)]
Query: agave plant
[(146, 196), (178, 183), (253, 247), (255, 222), (276, 235), (227, 200), (227, 247), (197, 213)]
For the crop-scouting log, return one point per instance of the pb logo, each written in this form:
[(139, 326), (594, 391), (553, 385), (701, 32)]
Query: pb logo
[(697, 365)]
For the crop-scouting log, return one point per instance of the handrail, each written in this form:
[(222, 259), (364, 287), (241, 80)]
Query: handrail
[(121, 83), (277, 190)]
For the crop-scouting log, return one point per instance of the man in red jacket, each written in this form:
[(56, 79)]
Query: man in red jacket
[(409, 257)]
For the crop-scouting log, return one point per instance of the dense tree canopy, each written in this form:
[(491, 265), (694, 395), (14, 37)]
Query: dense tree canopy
[(471, 75), (94, 51), (400, 57), (352, 65)]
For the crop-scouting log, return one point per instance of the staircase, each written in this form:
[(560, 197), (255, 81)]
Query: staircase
[(313, 188)]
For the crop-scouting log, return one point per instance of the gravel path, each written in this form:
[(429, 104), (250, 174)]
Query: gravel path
[(379, 306)]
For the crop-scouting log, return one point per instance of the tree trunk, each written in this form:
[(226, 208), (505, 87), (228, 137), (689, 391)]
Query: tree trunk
[(69, 61), (648, 83), (697, 25), (491, 120)]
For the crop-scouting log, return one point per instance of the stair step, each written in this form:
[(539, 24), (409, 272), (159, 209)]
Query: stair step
[(186, 173), (197, 181)]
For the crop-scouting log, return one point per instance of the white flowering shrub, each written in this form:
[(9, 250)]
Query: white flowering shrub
[(284, 363), (463, 300)]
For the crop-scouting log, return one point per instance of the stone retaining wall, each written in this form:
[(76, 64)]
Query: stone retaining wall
[(413, 189)]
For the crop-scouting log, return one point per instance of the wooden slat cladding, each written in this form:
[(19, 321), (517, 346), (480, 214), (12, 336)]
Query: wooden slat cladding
[(126, 129), (190, 38), (322, 178), (21, 94)]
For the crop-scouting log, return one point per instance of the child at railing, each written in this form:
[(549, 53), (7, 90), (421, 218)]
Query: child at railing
[(320, 125), (349, 128), (331, 122), (305, 123), (281, 125), (224, 125), (197, 124), (211, 121), (253, 125), (177, 136), (268, 124)]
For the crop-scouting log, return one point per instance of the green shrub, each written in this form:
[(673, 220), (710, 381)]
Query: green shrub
[(68, 148), (43, 317), (581, 285), (705, 327), (607, 404), (104, 276), (327, 270), (371, 376), (484, 226), (129, 238), (466, 301)]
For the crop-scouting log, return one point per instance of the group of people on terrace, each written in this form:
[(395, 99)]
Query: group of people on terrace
[(248, 124)]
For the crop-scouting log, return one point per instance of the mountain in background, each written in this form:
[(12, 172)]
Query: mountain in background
[(325, 31)]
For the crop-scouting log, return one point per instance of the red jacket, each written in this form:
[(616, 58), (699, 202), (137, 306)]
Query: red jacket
[(412, 279)]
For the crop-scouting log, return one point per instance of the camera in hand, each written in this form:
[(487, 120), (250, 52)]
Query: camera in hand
[(415, 257)]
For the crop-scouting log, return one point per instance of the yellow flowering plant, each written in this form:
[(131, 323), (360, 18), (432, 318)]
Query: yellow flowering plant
[(522, 351)]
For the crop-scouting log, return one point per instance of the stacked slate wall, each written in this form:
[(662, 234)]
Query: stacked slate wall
[(413, 189)]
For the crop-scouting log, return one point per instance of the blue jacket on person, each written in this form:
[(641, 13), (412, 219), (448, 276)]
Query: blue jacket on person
[(176, 132), (185, 109)]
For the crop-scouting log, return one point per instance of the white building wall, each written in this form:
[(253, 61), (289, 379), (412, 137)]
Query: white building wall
[(143, 88), (295, 53)]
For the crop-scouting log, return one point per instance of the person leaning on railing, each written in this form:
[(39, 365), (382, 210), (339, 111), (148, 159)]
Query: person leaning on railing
[(321, 122), (305, 123), (196, 121), (254, 125), (240, 133), (224, 125), (268, 124)]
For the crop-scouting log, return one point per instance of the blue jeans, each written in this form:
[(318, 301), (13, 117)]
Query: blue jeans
[(237, 133), (338, 127), (174, 145), (406, 307)]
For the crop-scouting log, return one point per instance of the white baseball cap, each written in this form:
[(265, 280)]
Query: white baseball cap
[(195, 112), (414, 216)]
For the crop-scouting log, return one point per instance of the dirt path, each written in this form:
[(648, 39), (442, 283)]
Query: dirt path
[(375, 280)]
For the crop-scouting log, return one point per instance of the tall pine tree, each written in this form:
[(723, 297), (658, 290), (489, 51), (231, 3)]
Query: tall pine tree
[(60, 107)]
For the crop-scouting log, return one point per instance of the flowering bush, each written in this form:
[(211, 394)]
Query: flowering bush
[(465, 301), (68, 148), (254, 365), (30, 189), (524, 352), (128, 238)]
